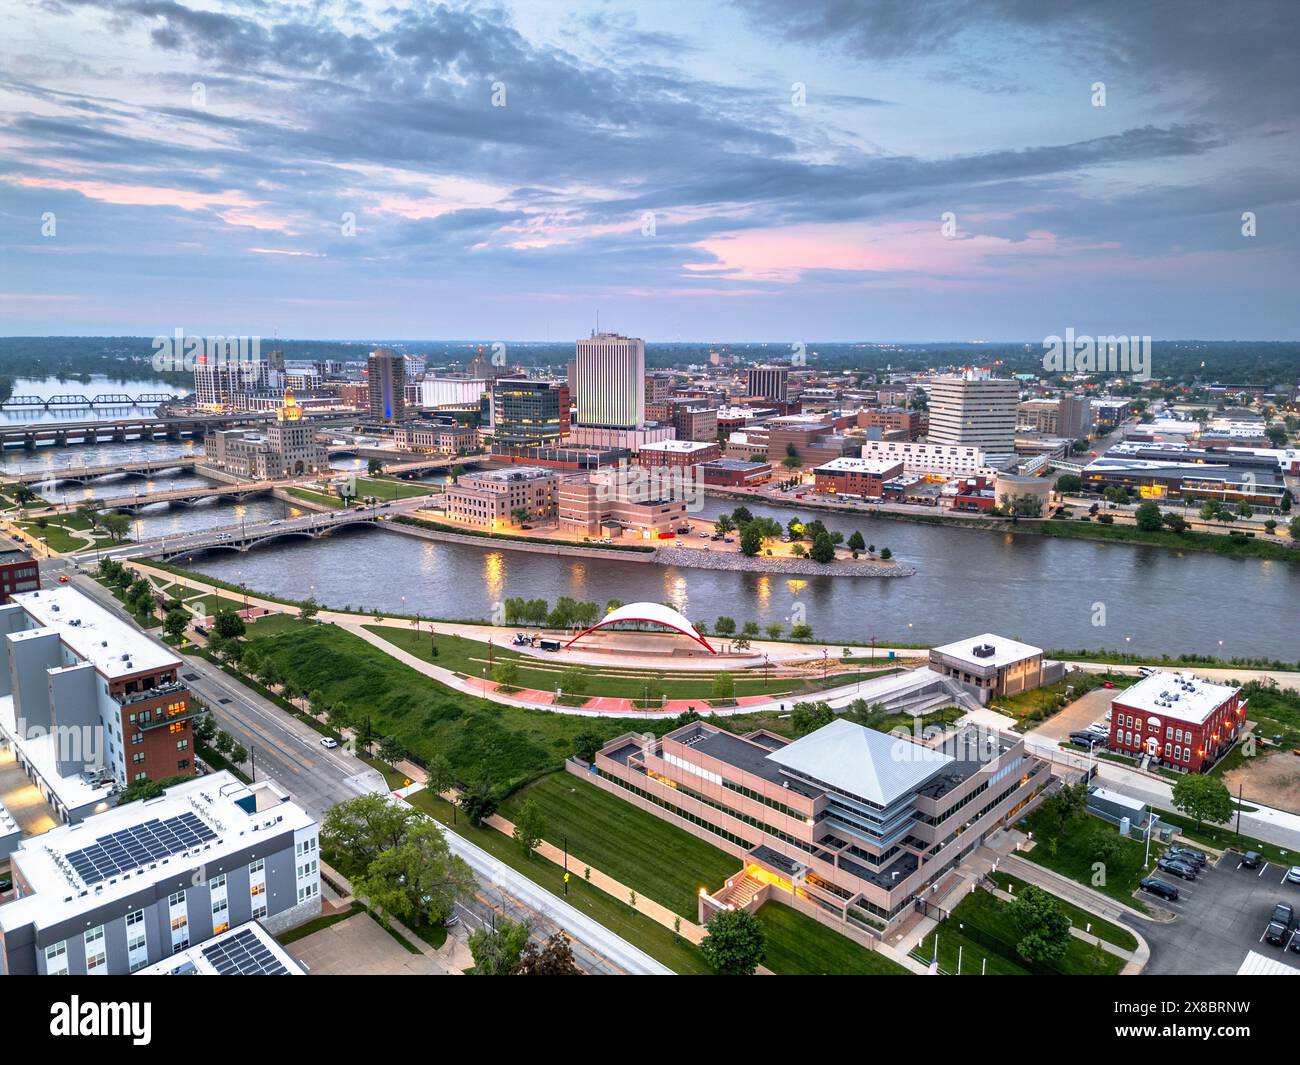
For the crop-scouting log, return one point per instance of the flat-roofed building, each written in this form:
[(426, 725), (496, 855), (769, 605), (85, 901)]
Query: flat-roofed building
[(929, 459), (990, 666), (492, 499), (847, 824), (452, 390), (974, 410), (1178, 720), (850, 476), (146, 881), (1227, 481), (677, 452), (244, 950), (19, 572), (386, 385), (610, 381), (769, 383), (88, 702), (618, 503), (735, 473), (529, 413)]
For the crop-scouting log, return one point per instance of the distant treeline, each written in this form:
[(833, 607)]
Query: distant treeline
[(1275, 364)]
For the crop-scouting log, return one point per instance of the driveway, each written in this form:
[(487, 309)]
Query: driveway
[(359, 946), (1081, 713), (1221, 917)]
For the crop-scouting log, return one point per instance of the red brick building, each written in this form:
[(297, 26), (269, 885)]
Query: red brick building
[(1178, 719), (850, 476), (19, 572)]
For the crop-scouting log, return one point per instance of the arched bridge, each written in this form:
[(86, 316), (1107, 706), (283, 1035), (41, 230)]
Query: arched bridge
[(242, 538)]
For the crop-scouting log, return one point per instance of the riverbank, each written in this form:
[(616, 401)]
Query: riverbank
[(804, 567)]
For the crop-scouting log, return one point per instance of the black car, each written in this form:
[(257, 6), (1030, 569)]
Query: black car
[(6, 883), (1250, 860), (1160, 888), (1087, 737), (1283, 914), (1187, 854), (1173, 865), (1275, 933)]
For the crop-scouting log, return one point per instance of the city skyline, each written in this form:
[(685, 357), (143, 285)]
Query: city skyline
[(746, 170)]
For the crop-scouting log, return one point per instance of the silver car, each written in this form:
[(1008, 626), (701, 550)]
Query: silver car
[(1293, 875)]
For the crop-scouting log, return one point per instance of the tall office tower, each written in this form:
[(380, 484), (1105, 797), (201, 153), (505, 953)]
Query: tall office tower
[(528, 414), (973, 409), (386, 385), (1074, 416), (770, 382), (611, 381)]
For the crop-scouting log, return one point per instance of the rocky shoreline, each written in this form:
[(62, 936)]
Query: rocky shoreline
[(694, 558)]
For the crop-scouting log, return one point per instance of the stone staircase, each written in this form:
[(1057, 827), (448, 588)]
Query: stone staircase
[(741, 893)]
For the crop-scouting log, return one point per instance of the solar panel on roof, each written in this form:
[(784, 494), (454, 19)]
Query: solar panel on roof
[(130, 848), (243, 954)]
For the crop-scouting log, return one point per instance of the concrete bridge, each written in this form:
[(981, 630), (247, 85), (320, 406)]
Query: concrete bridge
[(113, 399), (241, 538), (133, 504), (85, 474)]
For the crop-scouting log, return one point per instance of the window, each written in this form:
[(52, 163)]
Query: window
[(56, 959), (307, 869), (137, 737), (308, 891), (305, 846), (182, 744), (96, 953), (136, 943), (176, 900)]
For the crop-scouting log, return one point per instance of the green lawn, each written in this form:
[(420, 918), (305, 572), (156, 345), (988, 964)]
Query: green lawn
[(503, 744), (316, 497), (470, 658), (982, 925), (1081, 918), (1032, 707), (797, 945), (657, 859), (615, 914), (57, 536), (1074, 852)]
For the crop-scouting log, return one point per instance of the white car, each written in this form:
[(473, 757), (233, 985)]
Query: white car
[(328, 742), (1293, 875)]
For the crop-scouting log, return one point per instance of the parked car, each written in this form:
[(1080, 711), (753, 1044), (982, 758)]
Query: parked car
[(1182, 869), (1145, 671), (1275, 934), (1250, 860), (200, 630), (1293, 875), (1087, 737), (328, 742), (1160, 888), (6, 883), (1283, 914), (1187, 854)]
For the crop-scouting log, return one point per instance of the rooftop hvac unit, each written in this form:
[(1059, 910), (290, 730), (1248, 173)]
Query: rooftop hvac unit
[(983, 650)]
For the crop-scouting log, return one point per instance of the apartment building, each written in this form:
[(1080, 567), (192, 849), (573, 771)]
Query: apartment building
[(386, 385), (930, 459), (677, 452), (490, 500), (1177, 720), (141, 883), (222, 378), (846, 824), (89, 703), (19, 572)]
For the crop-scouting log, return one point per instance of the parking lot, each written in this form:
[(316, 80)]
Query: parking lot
[(1081, 713), (1221, 916)]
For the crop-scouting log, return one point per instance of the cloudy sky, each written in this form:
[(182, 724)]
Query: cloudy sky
[(696, 170)]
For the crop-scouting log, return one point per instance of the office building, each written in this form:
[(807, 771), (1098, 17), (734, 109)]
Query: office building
[(856, 477), (287, 449), (991, 666), (1229, 480), (452, 390), (88, 703), (140, 883), (974, 410), (611, 503), (386, 385), (735, 473), (494, 499), (677, 453), (1177, 720), (527, 413), (769, 383), (847, 824), (610, 377), (442, 438)]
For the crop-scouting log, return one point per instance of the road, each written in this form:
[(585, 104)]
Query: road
[(289, 752)]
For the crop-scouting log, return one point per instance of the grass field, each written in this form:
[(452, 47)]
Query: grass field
[(1073, 852), (1220, 544), (1033, 707), (799, 946), (1081, 918), (470, 658), (982, 913), (58, 537), (635, 847)]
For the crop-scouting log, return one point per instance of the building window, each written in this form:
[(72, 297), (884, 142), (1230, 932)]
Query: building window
[(308, 891), (96, 953), (56, 959), (137, 737)]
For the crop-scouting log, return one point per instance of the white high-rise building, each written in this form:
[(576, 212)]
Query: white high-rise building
[(610, 380), (973, 409)]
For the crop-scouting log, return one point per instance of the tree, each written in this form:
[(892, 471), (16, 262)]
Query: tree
[(823, 549), (239, 754), (723, 524), (357, 831), (520, 515), (750, 629), (440, 778), (723, 689), (419, 880), (224, 743), (774, 630), (1277, 435), (1203, 797), (554, 958), (529, 827), (479, 801), (1064, 805), (1042, 923), (391, 750), (791, 460), (586, 743), (1069, 484), (308, 609), (1174, 522), (573, 680), (1147, 517), (228, 625), (801, 631), (735, 945), (375, 467), (724, 626), (856, 542), (751, 539), (1293, 527), (886, 554), (176, 622), (506, 674), (497, 951), (116, 525), (806, 717)]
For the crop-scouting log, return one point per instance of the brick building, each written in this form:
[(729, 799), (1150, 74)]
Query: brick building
[(1178, 720)]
